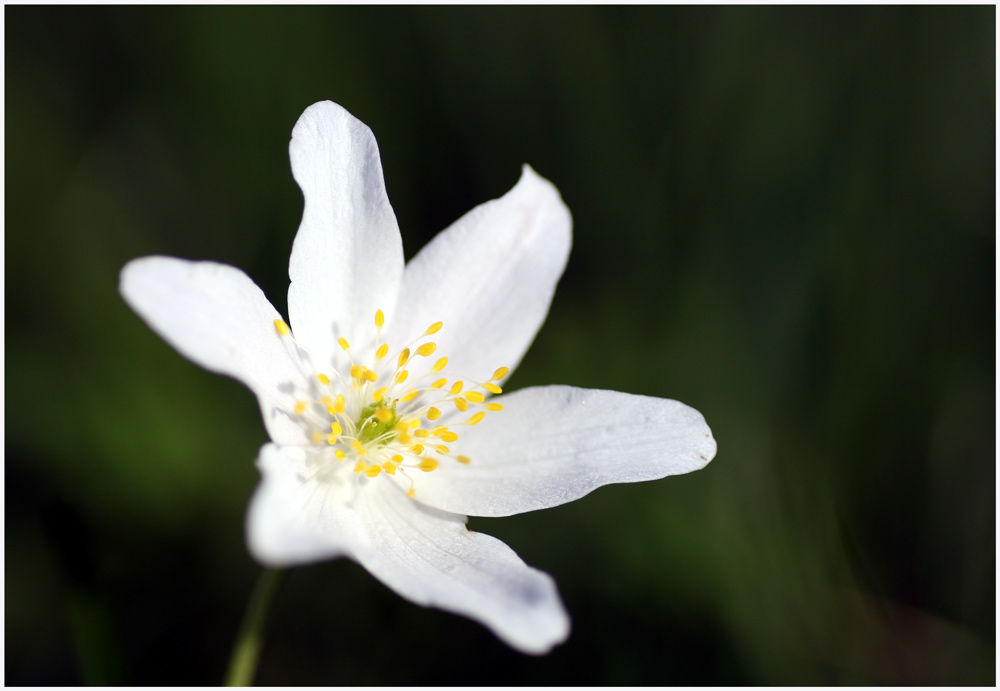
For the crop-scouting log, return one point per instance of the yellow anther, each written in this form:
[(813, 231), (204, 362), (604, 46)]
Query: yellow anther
[(456, 387), (414, 423), (417, 449), (494, 406), (440, 365), (323, 379), (463, 459), (360, 466), (404, 438), (432, 414), (382, 351), (379, 319), (357, 371), (401, 376), (331, 439), (410, 395), (330, 409), (300, 407), (461, 404), (340, 403), (404, 357), (410, 492), (448, 436), (389, 468), (373, 470), (383, 415), (379, 393), (370, 375), (359, 447), (421, 433), (433, 328), (282, 327), (492, 388), (475, 397), (317, 437), (441, 448), (326, 400), (343, 343), (476, 418), (500, 373), (427, 465), (340, 455), (397, 458), (426, 349), (439, 383)]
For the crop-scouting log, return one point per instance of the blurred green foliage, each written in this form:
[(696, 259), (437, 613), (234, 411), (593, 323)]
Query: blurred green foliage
[(784, 217)]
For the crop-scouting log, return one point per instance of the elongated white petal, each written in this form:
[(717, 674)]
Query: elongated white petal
[(490, 278), (425, 555), (553, 444), (218, 318), (347, 259)]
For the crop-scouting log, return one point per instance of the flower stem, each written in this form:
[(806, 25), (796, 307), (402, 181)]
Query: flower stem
[(246, 650)]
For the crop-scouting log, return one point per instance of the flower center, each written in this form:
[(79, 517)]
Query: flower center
[(379, 418)]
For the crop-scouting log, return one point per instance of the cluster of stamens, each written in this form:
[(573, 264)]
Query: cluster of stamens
[(382, 420)]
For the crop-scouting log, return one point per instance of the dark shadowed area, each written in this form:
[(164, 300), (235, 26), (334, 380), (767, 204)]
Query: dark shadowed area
[(783, 217)]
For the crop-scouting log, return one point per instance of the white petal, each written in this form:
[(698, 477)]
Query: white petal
[(425, 555), (553, 444), (293, 518), (490, 278), (218, 318), (347, 259)]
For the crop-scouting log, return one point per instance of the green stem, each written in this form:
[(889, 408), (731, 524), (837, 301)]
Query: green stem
[(246, 650)]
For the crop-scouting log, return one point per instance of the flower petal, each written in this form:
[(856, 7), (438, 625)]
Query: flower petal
[(347, 258), (489, 277), (425, 555), (553, 444), (218, 318)]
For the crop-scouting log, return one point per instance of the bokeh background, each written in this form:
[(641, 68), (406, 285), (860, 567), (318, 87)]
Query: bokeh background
[(784, 217)]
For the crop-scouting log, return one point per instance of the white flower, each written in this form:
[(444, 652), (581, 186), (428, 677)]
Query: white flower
[(378, 398)]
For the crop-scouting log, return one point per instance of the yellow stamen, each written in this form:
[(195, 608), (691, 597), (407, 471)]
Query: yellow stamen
[(500, 373), (439, 383), (475, 397), (475, 418), (300, 407), (282, 327), (360, 466), (383, 414), (370, 375), (357, 371), (427, 465), (373, 470), (421, 433), (440, 365), (410, 395), (492, 388), (404, 357), (463, 459), (340, 404), (344, 344), (417, 449), (359, 447), (336, 429), (441, 448), (317, 437), (389, 468), (382, 351), (326, 400), (456, 388), (432, 414), (410, 492), (379, 319), (433, 328), (401, 377), (397, 458), (323, 379), (461, 404), (426, 349), (448, 436), (379, 393), (494, 406), (340, 455)]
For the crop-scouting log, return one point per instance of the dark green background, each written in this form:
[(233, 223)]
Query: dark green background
[(783, 217)]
